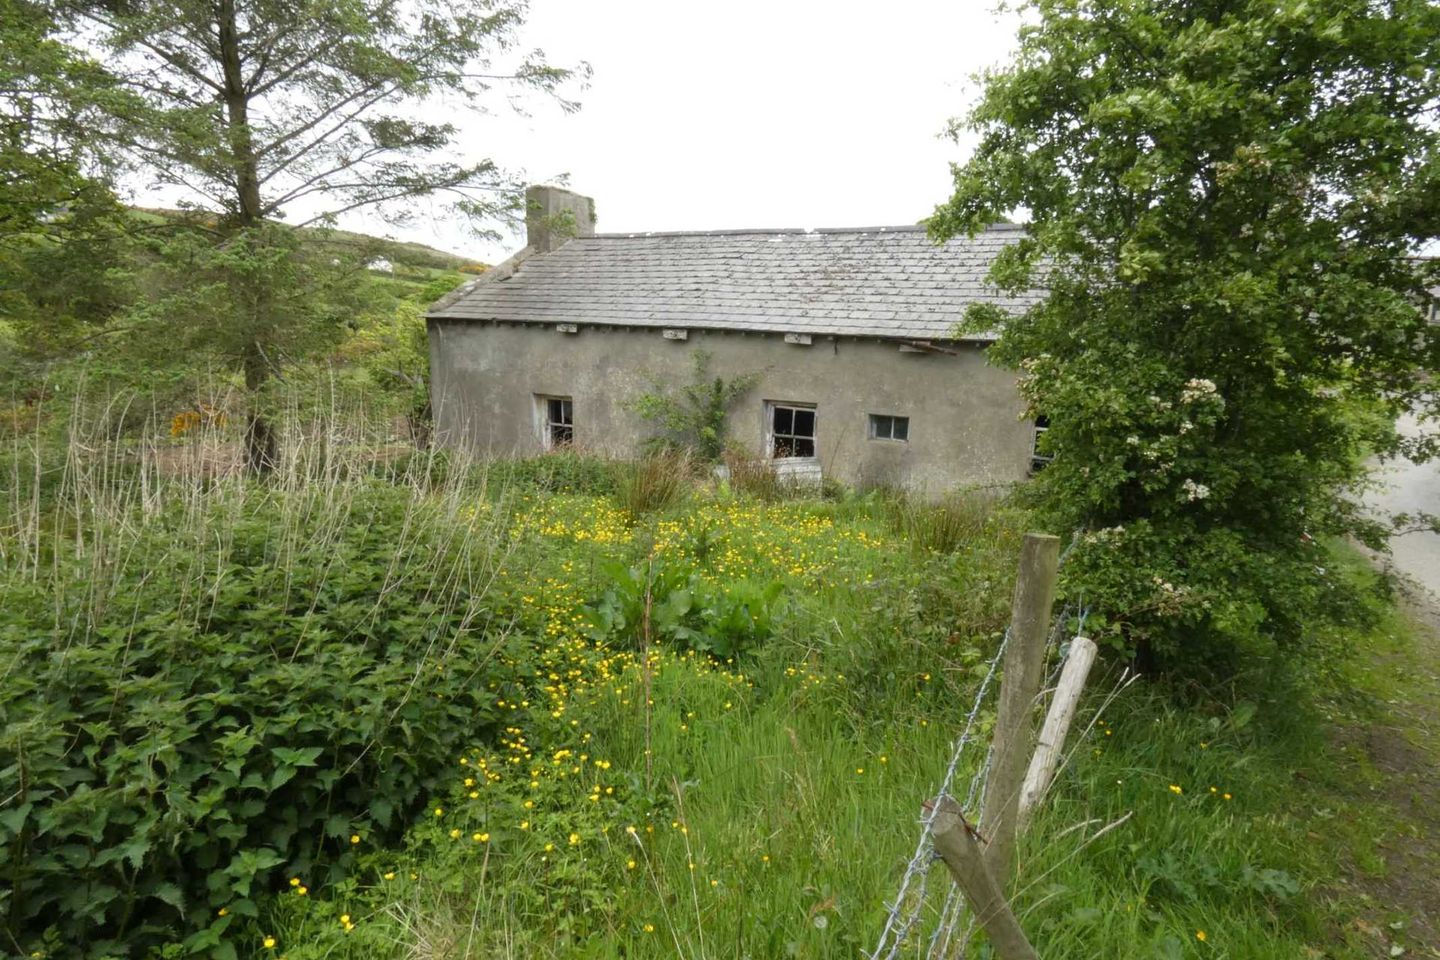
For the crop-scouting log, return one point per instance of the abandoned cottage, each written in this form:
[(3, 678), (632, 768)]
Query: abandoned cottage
[(849, 335)]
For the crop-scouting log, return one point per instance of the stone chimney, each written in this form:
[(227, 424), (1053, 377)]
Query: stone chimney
[(553, 216)]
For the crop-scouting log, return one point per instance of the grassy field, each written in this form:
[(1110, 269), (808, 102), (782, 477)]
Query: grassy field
[(658, 720)]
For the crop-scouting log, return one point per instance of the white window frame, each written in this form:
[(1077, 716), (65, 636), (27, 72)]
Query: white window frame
[(544, 425), (773, 405), (890, 420)]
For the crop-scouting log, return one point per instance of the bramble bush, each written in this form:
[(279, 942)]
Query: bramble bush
[(236, 690)]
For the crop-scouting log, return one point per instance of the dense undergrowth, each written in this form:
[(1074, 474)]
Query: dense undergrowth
[(427, 708)]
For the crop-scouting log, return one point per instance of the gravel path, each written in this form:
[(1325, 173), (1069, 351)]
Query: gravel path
[(1407, 487)]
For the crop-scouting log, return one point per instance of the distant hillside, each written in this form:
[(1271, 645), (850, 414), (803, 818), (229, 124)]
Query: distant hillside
[(416, 256), (402, 253)]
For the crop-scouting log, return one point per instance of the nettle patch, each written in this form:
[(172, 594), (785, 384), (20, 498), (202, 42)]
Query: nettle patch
[(217, 700)]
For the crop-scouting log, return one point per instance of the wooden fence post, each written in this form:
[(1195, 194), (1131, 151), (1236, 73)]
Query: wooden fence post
[(1014, 737), (957, 847), (1057, 725)]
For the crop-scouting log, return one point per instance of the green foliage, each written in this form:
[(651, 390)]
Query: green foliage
[(251, 107), (563, 471), (656, 602), (774, 799), (264, 691), (255, 110), (653, 483), (694, 415), (159, 625), (1224, 201), (59, 220), (955, 520), (50, 95), (270, 285)]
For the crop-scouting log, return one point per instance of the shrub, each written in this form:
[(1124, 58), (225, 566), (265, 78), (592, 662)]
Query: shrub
[(944, 525), (657, 482), (1214, 344), (251, 685), (694, 416), (752, 476), (563, 471)]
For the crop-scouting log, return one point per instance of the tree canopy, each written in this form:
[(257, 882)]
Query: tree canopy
[(265, 118), (252, 108), (1225, 201)]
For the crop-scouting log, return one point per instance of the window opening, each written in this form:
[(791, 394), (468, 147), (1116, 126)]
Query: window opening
[(883, 426), (559, 425), (792, 431)]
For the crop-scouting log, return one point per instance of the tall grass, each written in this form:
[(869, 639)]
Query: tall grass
[(775, 798), (943, 525), (656, 482), (200, 668)]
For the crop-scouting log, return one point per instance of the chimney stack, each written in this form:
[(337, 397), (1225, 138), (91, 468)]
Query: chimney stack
[(553, 216)]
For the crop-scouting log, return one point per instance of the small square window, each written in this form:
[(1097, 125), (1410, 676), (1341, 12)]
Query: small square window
[(883, 426), (557, 422), (792, 431)]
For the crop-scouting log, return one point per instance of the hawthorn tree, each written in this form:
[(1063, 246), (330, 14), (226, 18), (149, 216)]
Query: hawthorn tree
[(1225, 201), (262, 111)]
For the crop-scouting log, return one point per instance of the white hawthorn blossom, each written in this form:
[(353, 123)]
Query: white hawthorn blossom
[(1197, 388)]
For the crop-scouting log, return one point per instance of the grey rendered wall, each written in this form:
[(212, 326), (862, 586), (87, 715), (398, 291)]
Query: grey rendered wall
[(964, 414)]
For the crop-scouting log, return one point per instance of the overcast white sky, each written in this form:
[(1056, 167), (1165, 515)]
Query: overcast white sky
[(748, 113)]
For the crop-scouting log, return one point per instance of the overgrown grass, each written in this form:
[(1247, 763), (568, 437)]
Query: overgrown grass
[(656, 482), (772, 792), (943, 525)]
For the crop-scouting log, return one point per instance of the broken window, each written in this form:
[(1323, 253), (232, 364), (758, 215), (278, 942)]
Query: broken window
[(557, 425), (792, 431), (885, 427), (1038, 460)]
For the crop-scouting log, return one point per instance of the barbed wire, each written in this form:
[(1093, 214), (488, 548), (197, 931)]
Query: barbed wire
[(905, 912), (906, 909)]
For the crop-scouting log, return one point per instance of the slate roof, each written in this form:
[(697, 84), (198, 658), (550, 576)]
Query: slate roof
[(875, 282)]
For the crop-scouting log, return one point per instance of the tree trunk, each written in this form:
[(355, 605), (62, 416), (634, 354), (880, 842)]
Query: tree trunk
[(237, 118), (261, 454)]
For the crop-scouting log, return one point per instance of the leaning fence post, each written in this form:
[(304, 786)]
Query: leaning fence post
[(1014, 737), (957, 847), (1057, 725)]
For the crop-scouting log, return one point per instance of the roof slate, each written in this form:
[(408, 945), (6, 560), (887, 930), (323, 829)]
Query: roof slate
[(877, 282)]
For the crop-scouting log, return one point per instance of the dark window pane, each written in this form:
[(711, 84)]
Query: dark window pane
[(561, 435), (900, 428), (879, 427), (804, 447), (805, 424), (567, 412), (782, 448), (783, 419)]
